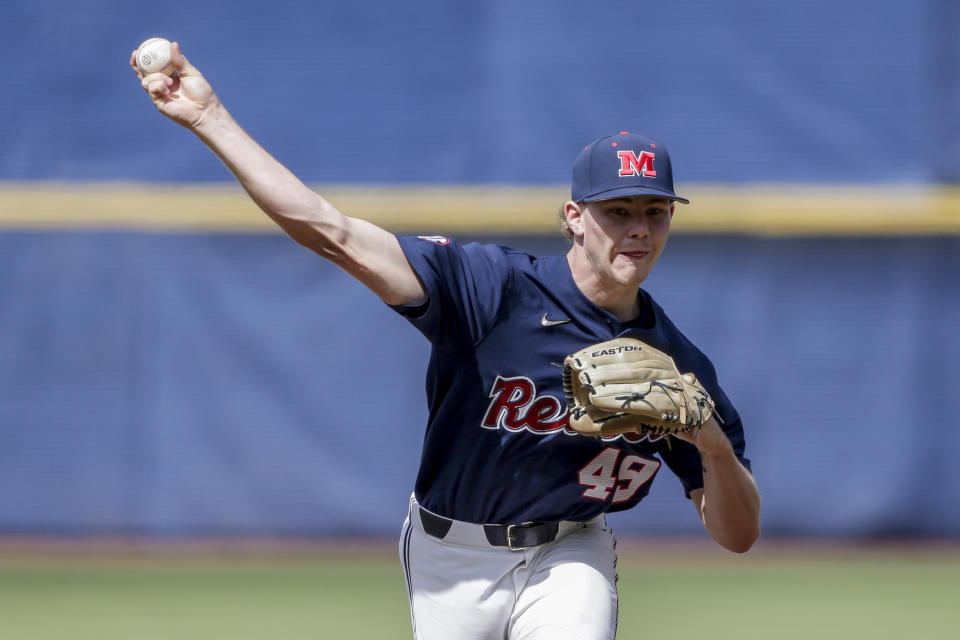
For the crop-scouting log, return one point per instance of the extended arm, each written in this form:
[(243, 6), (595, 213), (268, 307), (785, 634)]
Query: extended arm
[(365, 251), (729, 502)]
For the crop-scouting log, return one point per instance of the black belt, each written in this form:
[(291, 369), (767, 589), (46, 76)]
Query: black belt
[(515, 537)]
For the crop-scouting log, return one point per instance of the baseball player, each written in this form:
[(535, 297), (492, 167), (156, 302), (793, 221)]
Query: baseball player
[(506, 534)]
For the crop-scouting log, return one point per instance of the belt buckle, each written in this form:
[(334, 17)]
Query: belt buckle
[(510, 528)]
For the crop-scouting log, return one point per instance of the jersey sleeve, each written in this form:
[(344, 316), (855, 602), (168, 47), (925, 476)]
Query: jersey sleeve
[(465, 287)]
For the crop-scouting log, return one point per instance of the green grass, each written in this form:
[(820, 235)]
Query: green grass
[(879, 596), (668, 594), (310, 597)]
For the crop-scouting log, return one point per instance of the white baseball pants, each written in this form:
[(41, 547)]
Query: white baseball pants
[(463, 588)]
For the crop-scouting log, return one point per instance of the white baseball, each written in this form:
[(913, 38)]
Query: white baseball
[(153, 56)]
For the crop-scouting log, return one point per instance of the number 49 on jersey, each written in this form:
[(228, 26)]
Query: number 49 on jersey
[(604, 475)]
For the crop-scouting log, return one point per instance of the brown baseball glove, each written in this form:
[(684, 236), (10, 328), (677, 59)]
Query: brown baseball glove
[(625, 385)]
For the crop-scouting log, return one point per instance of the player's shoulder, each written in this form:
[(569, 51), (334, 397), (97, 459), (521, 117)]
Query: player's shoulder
[(483, 257), (500, 250), (675, 341), (505, 257), (448, 243)]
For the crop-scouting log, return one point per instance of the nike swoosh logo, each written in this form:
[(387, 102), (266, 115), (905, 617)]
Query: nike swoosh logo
[(551, 323)]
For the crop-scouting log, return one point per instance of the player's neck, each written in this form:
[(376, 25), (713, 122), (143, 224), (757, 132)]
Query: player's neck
[(621, 301)]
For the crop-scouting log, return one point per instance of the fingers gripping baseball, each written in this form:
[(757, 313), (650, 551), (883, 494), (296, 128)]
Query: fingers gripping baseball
[(184, 96)]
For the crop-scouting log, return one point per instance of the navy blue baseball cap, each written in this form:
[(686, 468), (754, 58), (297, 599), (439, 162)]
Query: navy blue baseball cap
[(623, 165)]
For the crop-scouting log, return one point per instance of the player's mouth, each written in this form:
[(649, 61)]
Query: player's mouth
[(635, 255)]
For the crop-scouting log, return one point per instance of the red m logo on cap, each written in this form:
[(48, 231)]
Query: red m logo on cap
[(631, 165)]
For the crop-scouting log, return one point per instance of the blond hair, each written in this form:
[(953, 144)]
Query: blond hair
[(564, 227)]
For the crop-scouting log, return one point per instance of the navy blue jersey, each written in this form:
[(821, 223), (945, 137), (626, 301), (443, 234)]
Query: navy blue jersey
[(498, 447)]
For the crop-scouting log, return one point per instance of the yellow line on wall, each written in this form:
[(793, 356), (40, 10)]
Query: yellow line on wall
[(751, 209), (226, 207)]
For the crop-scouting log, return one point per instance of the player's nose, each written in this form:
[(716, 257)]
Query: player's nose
[(639, 226)]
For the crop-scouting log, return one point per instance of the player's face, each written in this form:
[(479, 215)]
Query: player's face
[(623, 237)]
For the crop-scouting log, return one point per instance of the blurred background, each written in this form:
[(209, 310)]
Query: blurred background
[(172, 367)]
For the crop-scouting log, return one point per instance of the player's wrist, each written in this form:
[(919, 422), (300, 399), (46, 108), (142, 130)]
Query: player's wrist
[(715, 451), (716, 447), (214, 120), (711, 441)]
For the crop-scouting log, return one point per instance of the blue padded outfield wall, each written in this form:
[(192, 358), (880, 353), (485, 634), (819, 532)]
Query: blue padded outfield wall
[(164, 379), (172, 384)]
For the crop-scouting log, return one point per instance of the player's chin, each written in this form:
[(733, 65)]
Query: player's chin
[(624, 281), (632, 273)]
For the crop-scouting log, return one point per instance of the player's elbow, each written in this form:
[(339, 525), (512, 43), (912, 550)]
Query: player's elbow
[(742, 541), (737, 535), (741, 546)]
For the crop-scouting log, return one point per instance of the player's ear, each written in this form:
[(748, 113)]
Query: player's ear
[(573, 212), (673, 205)]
